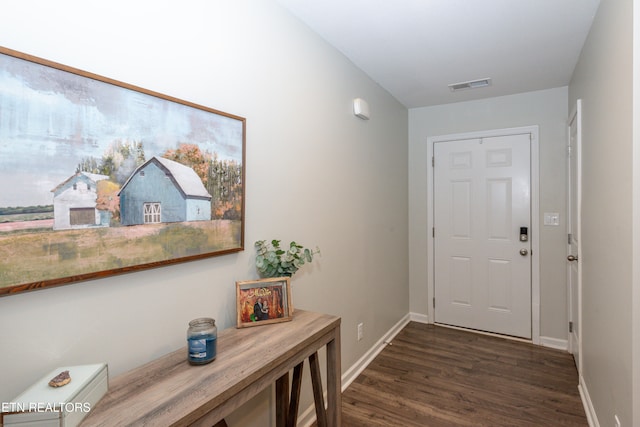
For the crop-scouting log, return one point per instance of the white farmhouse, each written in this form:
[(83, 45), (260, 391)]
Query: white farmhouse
[(74, 203)]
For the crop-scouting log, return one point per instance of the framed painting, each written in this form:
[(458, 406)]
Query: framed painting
[(100, 177), (264, 301)]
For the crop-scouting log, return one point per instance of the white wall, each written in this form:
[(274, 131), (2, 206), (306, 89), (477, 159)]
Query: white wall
[(635, 284), (546, 108), (603, 79), (315, 173)]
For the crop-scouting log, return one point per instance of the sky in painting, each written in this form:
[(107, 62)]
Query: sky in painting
[(51, 119)]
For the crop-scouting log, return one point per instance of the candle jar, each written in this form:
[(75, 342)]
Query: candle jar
[(201, 338)]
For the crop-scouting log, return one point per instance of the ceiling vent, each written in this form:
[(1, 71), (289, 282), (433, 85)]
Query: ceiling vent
[(474, 84)]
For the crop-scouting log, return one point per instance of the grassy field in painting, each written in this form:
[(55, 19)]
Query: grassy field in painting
[(28, 256)]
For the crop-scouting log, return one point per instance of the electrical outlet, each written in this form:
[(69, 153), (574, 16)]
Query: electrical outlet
[(360, 331), (617, 421)]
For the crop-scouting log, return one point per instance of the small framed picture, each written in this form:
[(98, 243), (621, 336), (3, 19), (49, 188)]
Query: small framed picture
[(264, 301)]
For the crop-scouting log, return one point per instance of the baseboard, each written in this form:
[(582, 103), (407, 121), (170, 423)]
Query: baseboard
[(309, 415), (420, 318), (556, 343), (592, 418)]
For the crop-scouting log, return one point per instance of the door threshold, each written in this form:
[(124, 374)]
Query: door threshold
[(490, 334)]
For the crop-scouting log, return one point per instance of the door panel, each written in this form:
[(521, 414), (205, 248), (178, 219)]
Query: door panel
[(499, 277), (461, 197), (499, 208), (461, 280), (481, 199)]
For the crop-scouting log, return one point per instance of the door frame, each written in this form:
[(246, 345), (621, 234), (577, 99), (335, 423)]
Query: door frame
[(576, 114), (535, 217)]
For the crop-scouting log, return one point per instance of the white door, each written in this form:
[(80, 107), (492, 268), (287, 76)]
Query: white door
[(482, 199), (573, 234)]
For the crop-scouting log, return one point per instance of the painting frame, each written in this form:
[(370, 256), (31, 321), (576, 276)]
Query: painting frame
[(253, 295), (136, 179)]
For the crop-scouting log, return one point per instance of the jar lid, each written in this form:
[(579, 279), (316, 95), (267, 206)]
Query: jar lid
[(202, 321)]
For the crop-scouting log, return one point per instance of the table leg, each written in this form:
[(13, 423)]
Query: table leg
[(318, 397), (334, 382), (296, 386), (282, 400)]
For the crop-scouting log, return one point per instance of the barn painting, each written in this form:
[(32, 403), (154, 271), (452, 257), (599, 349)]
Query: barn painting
[(162, 191), (102, 177)]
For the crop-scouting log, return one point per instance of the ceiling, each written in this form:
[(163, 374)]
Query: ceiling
[(416, 48)]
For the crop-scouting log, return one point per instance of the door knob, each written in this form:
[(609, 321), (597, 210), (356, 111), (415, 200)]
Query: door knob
[(524, 252), (572, 258)]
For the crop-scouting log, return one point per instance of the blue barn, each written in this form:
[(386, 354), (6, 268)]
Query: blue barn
[(162, 190)]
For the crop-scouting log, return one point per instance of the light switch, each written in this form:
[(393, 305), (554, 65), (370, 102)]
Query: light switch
[(551, 218)]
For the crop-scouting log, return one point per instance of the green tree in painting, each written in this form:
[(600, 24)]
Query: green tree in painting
[(225, 178), (121, 159), (89, 165), (118, 161)]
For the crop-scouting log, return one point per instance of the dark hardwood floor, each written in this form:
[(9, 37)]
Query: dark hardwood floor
[(436, 376)]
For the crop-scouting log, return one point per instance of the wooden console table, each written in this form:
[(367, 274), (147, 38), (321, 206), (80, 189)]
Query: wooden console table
[(170, 392)]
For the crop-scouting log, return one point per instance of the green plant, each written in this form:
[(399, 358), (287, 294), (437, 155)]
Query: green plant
[(273, 261)]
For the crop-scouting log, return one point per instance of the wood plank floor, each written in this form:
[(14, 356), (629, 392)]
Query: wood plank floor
[(436, 376)]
